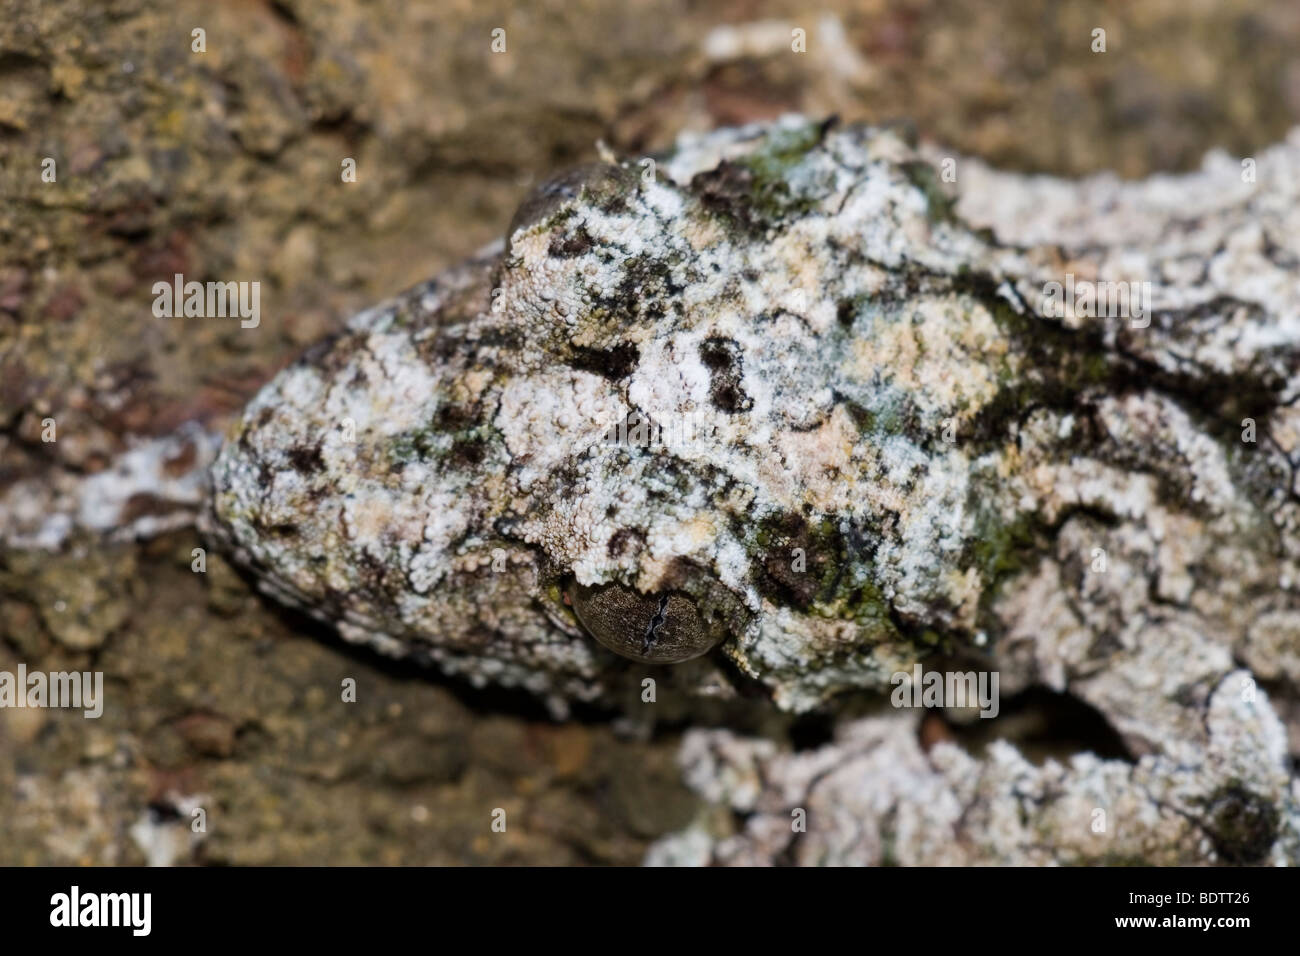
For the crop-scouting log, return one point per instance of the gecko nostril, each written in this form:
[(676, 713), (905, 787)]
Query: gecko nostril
[(657, 628)]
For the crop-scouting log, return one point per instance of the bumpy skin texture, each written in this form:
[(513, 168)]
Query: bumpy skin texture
[(872, 448)]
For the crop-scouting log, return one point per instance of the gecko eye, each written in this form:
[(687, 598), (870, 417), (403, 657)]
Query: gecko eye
[(657, 628)]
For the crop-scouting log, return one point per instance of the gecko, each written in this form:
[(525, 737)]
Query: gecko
[(789, 409)]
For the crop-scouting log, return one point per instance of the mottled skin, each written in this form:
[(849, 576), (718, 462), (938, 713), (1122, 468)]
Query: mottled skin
[(873, 448), (791, 342)]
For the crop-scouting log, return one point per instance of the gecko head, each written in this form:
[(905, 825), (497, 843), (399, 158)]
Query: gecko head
[(636, 410)]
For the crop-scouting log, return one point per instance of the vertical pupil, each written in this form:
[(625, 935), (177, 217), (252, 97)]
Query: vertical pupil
[(656, 622)]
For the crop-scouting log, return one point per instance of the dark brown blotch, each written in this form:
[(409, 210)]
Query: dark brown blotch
[(722, 357), (306, 459), (1243, 825), (800, 562), (615, 363)]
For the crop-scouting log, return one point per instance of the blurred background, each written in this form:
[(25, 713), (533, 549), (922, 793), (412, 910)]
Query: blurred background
[(225, 164)]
